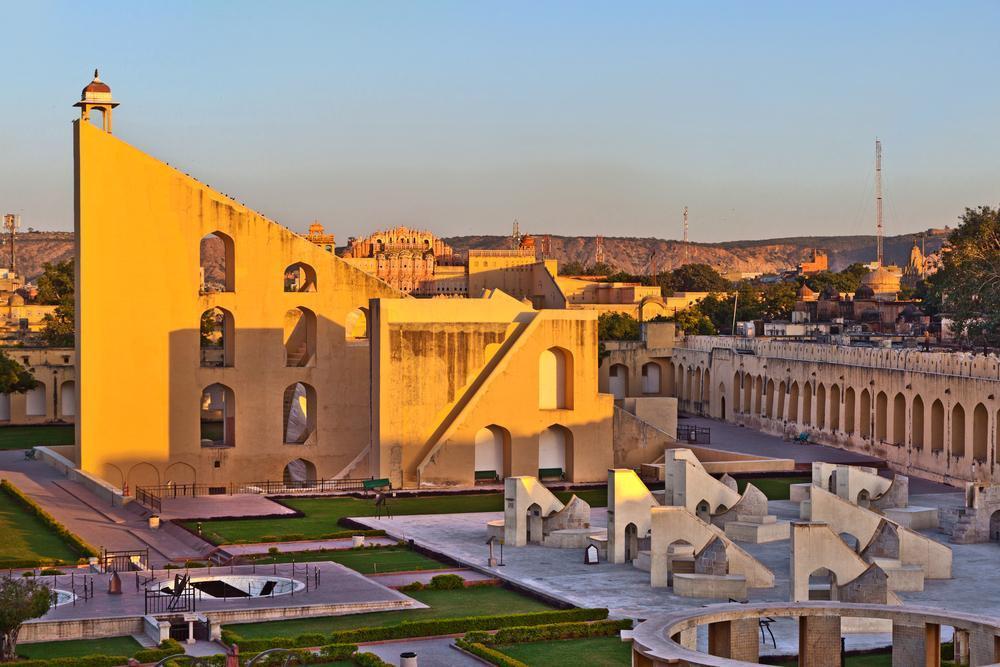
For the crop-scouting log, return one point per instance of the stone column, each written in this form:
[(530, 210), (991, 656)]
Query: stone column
[(984, 648), (908, 645), (736, 640), (961, 641), (819, 641), (687, 638)]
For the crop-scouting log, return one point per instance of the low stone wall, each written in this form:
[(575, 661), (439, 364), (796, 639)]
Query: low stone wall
[(88, 628)]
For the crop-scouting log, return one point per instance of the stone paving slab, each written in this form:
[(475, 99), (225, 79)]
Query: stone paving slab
[(436, 652), (625, 590)]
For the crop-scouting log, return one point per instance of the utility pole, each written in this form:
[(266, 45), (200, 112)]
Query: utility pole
[(878, 200), (11, 222)]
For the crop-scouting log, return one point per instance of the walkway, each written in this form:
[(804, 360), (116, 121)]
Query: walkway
[(434, 652), (303, 545), (394, 579), (94, 519), (735, 438)]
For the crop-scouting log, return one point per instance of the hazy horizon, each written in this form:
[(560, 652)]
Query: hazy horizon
[(576, 118)]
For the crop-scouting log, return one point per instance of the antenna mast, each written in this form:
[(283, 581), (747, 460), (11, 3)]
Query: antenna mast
[(11, 222), (878, 200), (599, 250), (685, 234)]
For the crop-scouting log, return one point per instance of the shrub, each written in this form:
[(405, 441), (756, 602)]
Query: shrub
[(74, 542), (490, 655), (413, 586), (50, 571), (447, 582), (84, 661), (426, 628), (167, 648), (370, 660), (337, 651)]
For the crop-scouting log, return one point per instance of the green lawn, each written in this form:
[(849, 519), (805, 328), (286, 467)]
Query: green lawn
[(369, 560), (75, 648), (27, 539), (323, 514), (596, 651), (478, 601), (775, 488), (23, 437)]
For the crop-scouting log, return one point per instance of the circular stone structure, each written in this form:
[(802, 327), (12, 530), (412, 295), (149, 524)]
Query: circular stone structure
[(236, 586), (61, 597), (733, 634)]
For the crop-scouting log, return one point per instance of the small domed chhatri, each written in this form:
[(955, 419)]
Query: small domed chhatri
[(96, 96)]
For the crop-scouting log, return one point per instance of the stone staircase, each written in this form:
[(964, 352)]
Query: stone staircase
[(298, 356), (963, 530)]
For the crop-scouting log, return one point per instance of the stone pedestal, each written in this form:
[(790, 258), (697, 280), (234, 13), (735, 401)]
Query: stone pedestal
[(819, 641), (758, 529), (711, 586), (914, 518)]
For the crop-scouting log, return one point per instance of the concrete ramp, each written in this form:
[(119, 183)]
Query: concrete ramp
[(674, 524), (914, 549)]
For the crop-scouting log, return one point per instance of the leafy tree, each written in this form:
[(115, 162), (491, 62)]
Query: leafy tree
[(847, 280), (691, 321), (572, 269), (777, 301), (56, 284), (20, 600), (617, 326), (968, 284), (14, 378), (698, 278)]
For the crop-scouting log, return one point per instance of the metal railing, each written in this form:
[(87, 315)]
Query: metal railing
[(152, 496), (124, 561), (699, 435)]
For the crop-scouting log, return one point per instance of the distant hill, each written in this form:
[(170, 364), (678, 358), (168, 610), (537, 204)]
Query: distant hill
[(626, 253), (633, 255)]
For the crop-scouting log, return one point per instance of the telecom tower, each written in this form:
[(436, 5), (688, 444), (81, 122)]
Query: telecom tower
[(878, 201), (685, 234), (515, 236), (599, 250), (11, 222)]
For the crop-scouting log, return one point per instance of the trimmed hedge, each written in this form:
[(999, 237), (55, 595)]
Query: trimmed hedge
[(84, 661), (167, 648), (428, 628), (289, 537), (370, 660), (554, 631), (488, 654), (440, 582), (72, 540)]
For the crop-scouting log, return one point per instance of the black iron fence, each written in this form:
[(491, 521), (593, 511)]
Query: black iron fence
[(149, 499), (124, 561), (158, 602), (697, 435)]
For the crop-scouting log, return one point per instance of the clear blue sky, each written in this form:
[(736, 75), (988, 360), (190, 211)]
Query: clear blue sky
[(576, 118)]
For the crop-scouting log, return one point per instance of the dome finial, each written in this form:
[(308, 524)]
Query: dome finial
[(96, 77)]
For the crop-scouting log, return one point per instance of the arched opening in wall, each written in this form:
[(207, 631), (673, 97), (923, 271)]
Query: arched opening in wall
[(793, 403), (217, 338), (179, 474), (670, 389), (34, 401), (67, 399), (96, 117), (822, 585), (866, 414), (704, 511), (849, 422), (820, 406), (720, 509), (217, 256), (5, 407), (218, 416), (555, 447), (298, 413), (769, 400), (491, 444), (618, 380), (853, 542), (535, 524), (958, 430), (142, 475), (995, 526), (299, 473), (807, 404), (864, 498), (722, 403), (747, 393), (689, 385), (300, 337), (631, 542), (736, 392), (980, 429), (881, 417), (780, 408), (899, 419), (706, 390), (696, 389), (356, 325), (937, 426), (831, 483), (758, 395), (917, 423), (299, 277), (651, 378), (555, 379), (835, 407)]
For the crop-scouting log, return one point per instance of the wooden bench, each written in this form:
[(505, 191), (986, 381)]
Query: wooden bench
[(548, 473)]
